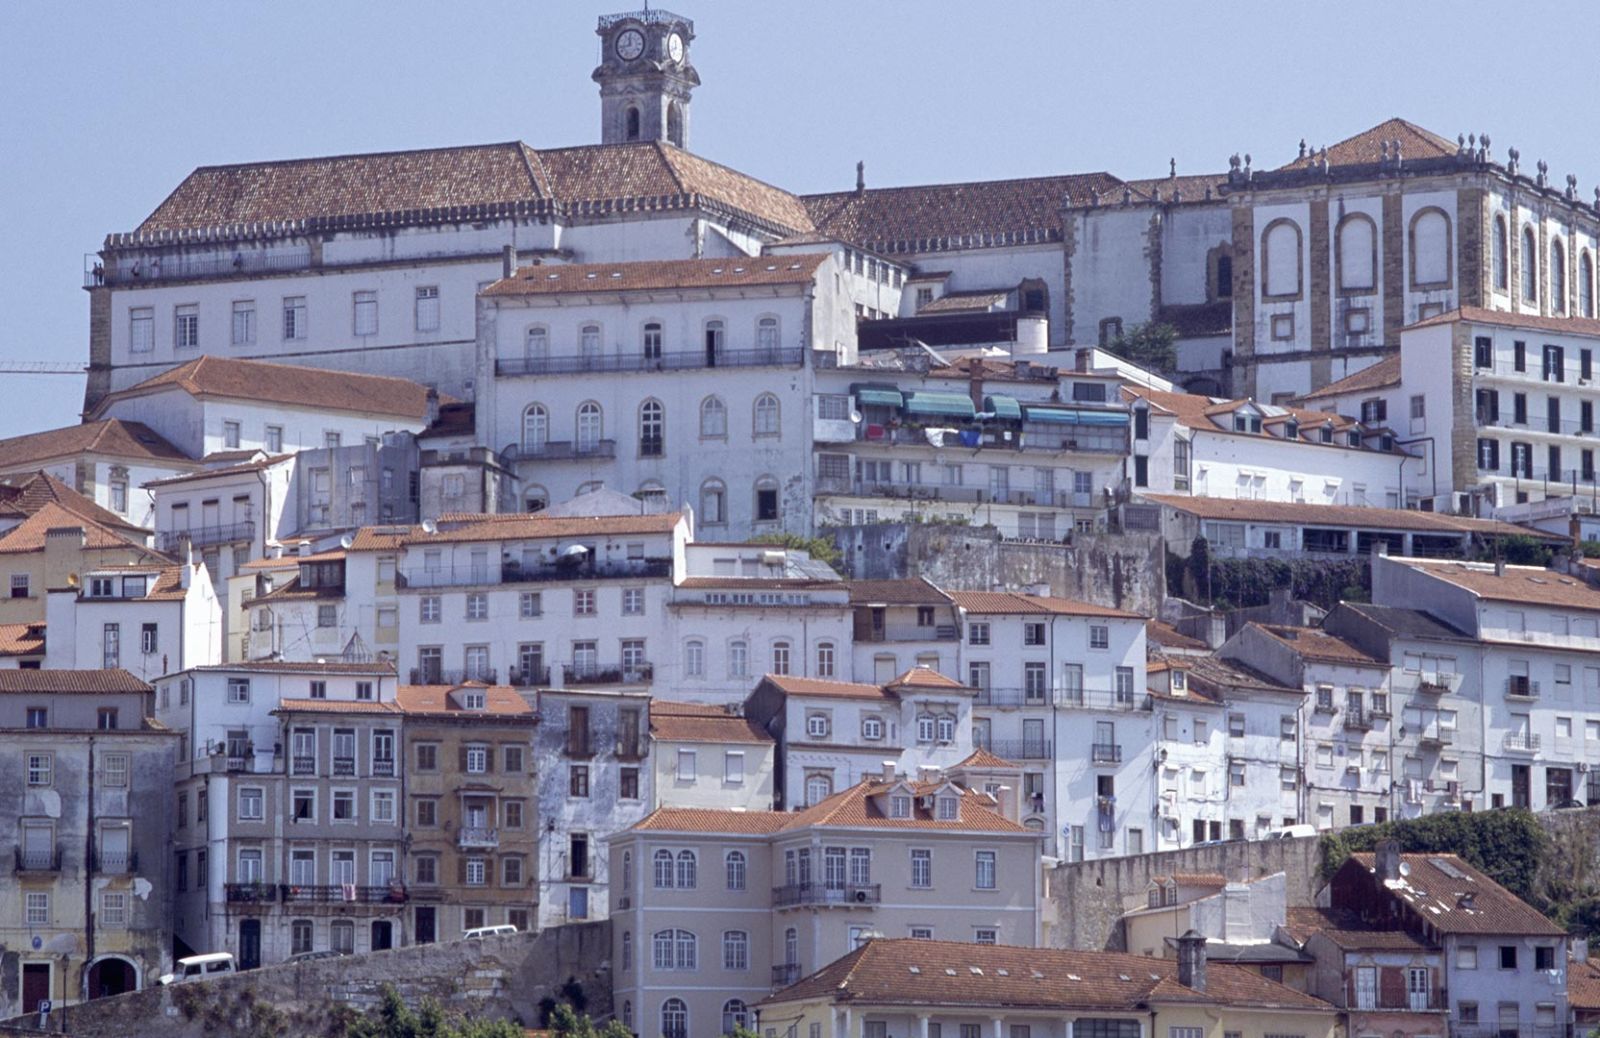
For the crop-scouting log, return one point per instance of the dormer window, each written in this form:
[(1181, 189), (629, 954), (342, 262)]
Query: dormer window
[(1354, 438), (1291, 429), (473, 700), (947, 808), (1246, 423), (1180, 680), (1326, 433), (900, 806), (102, 587)]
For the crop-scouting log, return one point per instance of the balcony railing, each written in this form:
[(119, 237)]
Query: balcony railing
[(1522, 687), (687, 360), (512, 572), (796, 894), (1433, 686), (251, 893), (344, 765), (1357, 720), (578, 744), (304, 765), (349, 893), (1012, 697), (35, 859), (1105, 753), (941, 633), (636, 748), (1021, 749), (1034, 438), (1102, 699), (1433, 733), (612, 674), (202, 536), (383, 767), (440, 676), (1412, 1002), (530, 677), (116, 863), (1521, 742), (563, 450), (477, 836), (785, 973)]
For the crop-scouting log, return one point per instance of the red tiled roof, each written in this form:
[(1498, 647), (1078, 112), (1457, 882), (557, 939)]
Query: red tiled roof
[(1190, 187), (85, 681), (659, 275), (26, 494), (1526, 584), (382, 538), (760, 583), (921, 218), (696, 722), (1381, 375), (1477, 315), (213, 471), (853, 807), (1316, 644), (1440, 899), (794, 685), (323, 389), (434, 701), (30, 534), (910, 591), (982, 759), (1583, 985), (21, 639), (335, 706), (1367, 146), (1296, 513), (111, 436), (928, 678), (291, 591), (991, 976), (1014, 602), (462, 527), (1347, 931), (1169, 637), (379, 669)]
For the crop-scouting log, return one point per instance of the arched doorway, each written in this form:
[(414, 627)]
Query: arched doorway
[(112, 975)]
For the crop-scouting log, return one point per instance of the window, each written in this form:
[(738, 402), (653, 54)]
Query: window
[(673, 950), (19, 585), (713, 419), (985, 935), (238, 690), (1530, 266), (535, 429), (735, 950), (141, 329), (578, 780), (37, 912), (1099, 636), (583, 602), (674, 1017), (687, 870), (977, 634), (591, 426), (365, 313), (344, 805), (477, 606), (652, 429), (825, 659), (1357, 259), (733, 767), (186, 327), (1558, 277), (817, 725), (766, 510), (713, 503), (1508, 956), (1281, 259), (244, 323), (767, 416), (111, 646), (984, 878), (328, 616), (427, 308), (114, 770), (736, 867), (251, 801), (819, 787), (294, 318), (738, 659)]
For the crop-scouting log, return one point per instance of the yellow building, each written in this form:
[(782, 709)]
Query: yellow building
[(948, 989), (53, 547)]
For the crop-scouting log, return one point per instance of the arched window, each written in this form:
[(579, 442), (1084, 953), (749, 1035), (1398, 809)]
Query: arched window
[(590, 427), (714, 341), (818, 789), (687, 870), (1558, 277), (767, 334), (589, 341), (735, 862), (1280, 259), (652, 429), (1358, 253), (735, 950), (766, 500), (694, 658), (662, 860), (738, 658), (780, 657), (1586, 283), (652, 340), (735, 1016), (535, 499), (535, 429), (825, 659), (1530, 266), (674, 1019), (627, 950), (687, 953), (1224, 276), (675, 124), (630, 124), (713, 419), (662, 949), (536, 344), (1500, 255), (713, 503), (767, 415), (1430, 248)]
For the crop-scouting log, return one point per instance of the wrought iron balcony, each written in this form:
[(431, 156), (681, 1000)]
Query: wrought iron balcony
[(251, 893), (1012, 697), (785, 973), (1357, 720), (1106, 753), (204, 536), (1102, 699), (116, 863), (686, 360), (563, 450), (303, 766), (820, 894), (348, 893), (470, 837), (530, 677), (613, 674), (34, 859), (383, 767), (440, 676), (1521, 742), (1521, 687), (344, 765), (1021, 749)]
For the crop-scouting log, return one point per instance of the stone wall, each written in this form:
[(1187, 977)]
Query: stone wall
[(1087, 898), (499, 977), (1123, 571)]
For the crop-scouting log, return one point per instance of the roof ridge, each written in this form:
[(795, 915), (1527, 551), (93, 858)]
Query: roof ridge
[(968, 183), (256, 163)]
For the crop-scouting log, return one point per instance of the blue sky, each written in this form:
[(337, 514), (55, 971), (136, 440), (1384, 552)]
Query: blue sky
[(108, 105)]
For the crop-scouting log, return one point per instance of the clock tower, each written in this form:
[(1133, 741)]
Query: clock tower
[(645, 77)]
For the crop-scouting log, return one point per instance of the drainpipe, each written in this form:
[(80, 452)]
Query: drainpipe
[(1433, 469), (88, 881)]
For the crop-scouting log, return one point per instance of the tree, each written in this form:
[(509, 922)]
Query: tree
[(567, 1023), (820, 548), (394, 1019), (1148, 345)]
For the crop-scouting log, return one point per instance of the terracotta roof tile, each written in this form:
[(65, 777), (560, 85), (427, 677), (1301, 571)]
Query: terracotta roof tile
[(112, 436), (853, 807), (928, 678), (897, 219), (335, 706), (1335, 515), (462, 528), (1583, 985), (434, 701), (651, 275), (1367, 146), (1169, 637), (794, 685), (291, 591), (1527, 584), (959, 974), (30, 534), (1042, 605), (759, 583), (979, 301), (379, 669), (211, 472), (712, 820), (1315, 644), (21, 639), (696, 722), (1381, 375), (1203, 413), (382, 538), (1190, 187), (85, 681), (1347, 931), (1588, 326), (981, 758), (28, 493), (910, 591), (1197, 879), (1453, 897), (323, 389)]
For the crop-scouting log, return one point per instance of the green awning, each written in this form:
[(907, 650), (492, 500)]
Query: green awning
[(949, 405), (1063, 416), (1003, 407), (871, 396)]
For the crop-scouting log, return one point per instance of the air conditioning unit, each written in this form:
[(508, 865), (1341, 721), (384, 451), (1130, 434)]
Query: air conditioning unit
[(861, 897), (1583, 767)]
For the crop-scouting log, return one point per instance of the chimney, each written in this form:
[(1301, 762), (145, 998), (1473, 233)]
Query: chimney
[(1386, 861), (1192, 960), (975, 373), (1580, 949), (508, 261), (1006, 803), (1499, 564), (861, 179), (302, 549), (1080, 360), (889, 773)]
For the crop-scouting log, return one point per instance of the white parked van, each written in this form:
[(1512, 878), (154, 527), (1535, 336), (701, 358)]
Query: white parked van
[(200, 967), (489, 931), (1290, 832)]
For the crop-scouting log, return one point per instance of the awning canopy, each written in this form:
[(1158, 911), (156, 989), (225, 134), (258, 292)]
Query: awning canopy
[(1003, 407), (951, 405), (877, 396), (1065, 416)]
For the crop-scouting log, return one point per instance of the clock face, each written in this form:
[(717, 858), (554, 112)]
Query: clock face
[(675, 47), (630, 44)]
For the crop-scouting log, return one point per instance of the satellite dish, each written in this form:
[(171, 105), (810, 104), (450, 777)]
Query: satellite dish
[(1405, 868), (347, 542), (573, 550), (429, 526)]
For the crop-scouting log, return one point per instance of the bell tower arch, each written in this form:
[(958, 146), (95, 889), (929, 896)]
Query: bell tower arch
[(645, 77)]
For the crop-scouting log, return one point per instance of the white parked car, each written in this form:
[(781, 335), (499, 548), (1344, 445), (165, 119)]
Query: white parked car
[(200, 967), (1290, 832), (489, 931)]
